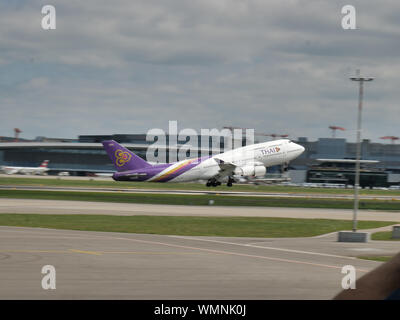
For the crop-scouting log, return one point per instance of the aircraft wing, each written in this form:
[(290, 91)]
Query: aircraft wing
[(229, 169), (225, 168)]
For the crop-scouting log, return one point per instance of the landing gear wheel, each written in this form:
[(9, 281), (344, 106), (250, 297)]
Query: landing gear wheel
[(230, 181), (213, 183)]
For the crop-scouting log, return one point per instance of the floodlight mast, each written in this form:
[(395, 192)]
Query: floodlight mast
[(361, 81)]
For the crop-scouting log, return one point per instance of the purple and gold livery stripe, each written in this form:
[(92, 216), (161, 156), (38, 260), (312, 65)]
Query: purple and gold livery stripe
[(170, 172)]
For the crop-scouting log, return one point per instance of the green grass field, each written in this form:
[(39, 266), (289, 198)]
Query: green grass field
[(219, 200), (193, 226), (383, 235), (63, 182), (377, 258)]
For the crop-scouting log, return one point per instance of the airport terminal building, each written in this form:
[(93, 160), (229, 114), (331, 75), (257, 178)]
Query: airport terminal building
[(85, 155)]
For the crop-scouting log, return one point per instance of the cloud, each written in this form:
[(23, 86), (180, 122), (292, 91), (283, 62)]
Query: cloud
[(127, 66), (35, 84)]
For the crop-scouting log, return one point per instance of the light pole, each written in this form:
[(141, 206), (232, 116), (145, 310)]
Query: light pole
[(357, 178)]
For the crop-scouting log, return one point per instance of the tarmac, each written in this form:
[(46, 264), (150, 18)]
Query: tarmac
[(105, 265), (128, 209)]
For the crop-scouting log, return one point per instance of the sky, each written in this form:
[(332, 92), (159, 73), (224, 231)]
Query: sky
[(128, 66)]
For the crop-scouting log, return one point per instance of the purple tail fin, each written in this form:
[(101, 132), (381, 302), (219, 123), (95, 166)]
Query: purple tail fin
[(122, 158)]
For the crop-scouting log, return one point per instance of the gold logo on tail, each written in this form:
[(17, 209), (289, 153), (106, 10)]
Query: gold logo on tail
[(122, 157)]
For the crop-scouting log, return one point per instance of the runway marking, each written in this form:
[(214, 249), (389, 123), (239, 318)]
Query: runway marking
[(87, 252), (325, 235), (267, 248), (239, 254), (258, 242)]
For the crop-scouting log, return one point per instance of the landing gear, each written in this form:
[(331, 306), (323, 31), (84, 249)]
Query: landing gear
[(213, 183)]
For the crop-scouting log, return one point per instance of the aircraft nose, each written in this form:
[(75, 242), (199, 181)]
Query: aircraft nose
[(298, 149)]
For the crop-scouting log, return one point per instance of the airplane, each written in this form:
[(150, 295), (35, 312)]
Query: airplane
[(41, 170), (245, 161)]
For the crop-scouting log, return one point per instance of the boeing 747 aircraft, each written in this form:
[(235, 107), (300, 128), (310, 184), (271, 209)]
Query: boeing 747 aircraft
[(41, 170), (246, 161)]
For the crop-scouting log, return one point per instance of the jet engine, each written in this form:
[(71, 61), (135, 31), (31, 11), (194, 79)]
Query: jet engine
[(251, 171)]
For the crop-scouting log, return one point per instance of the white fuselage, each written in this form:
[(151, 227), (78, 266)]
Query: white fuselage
[(24, 170), (245, 159)]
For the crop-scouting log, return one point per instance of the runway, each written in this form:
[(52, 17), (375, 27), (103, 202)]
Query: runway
[(128, 209), (101, 265), (205, 192)]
